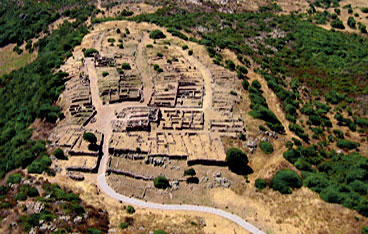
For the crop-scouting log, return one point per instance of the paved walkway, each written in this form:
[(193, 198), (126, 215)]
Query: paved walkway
[(101, 179)]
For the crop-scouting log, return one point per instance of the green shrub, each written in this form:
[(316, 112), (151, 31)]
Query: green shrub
[(20, 197), (317, 182), (123, 225), (93, 231), (190, 172), (126, 66), (90, 137), (331, 195), (130, 210), (190, 52), (111, 40), (284, 180), (177, 33), (245, 84), (230, 65), (90, 52), (362, 27), (184, 47), (161, 182), (59, 154), (29, 191), (266, 147), (149, 46), (337, 24), (260, 184), (351, 22), (346, 144), (192, 180), (14, 179), (292, 155), (236, 159), (105, 73), (159, 232), (365, 228), (232, 92), (157, 34)]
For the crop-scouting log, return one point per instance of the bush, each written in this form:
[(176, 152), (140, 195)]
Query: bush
[(266, 147), (159, 232), (93, 231), (184, 47), (90, 137), (190, 52), (125, 66), (161, 182), (157, 34), (14, 179), (111, 40), (346, 144), (20, 197), (90, 52), (351, 22), (59, 154), (130, 210), (337, 24), (192, 180), (365, 228), (190, 172), (230, 65), (317, 182), (284, 180), (123, 225), (260, 184), (105, 73), (236, 159)]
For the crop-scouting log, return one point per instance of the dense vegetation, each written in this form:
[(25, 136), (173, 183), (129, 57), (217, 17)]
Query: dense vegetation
[(20, 22), (42, 86)]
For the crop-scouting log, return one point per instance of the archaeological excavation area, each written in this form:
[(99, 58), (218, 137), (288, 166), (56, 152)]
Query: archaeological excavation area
[(154, 108)]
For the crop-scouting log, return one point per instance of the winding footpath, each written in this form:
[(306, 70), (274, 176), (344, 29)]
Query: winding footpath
[(103, 124)]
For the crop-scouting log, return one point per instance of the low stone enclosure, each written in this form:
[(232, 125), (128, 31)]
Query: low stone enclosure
[(178, 84), (118, 85), (193, 147), (80, 106), (80, 156)]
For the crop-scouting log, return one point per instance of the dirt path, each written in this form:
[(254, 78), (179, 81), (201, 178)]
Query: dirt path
[(207, 78), (142, 66)]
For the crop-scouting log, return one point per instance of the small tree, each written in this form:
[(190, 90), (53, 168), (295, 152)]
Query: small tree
[(90, 137), (236, 159), (59, 154), (260, 184), (266, 147), (105, 73), (161, 182)]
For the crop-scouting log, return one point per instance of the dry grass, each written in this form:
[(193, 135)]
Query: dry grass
[(10, 60)]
